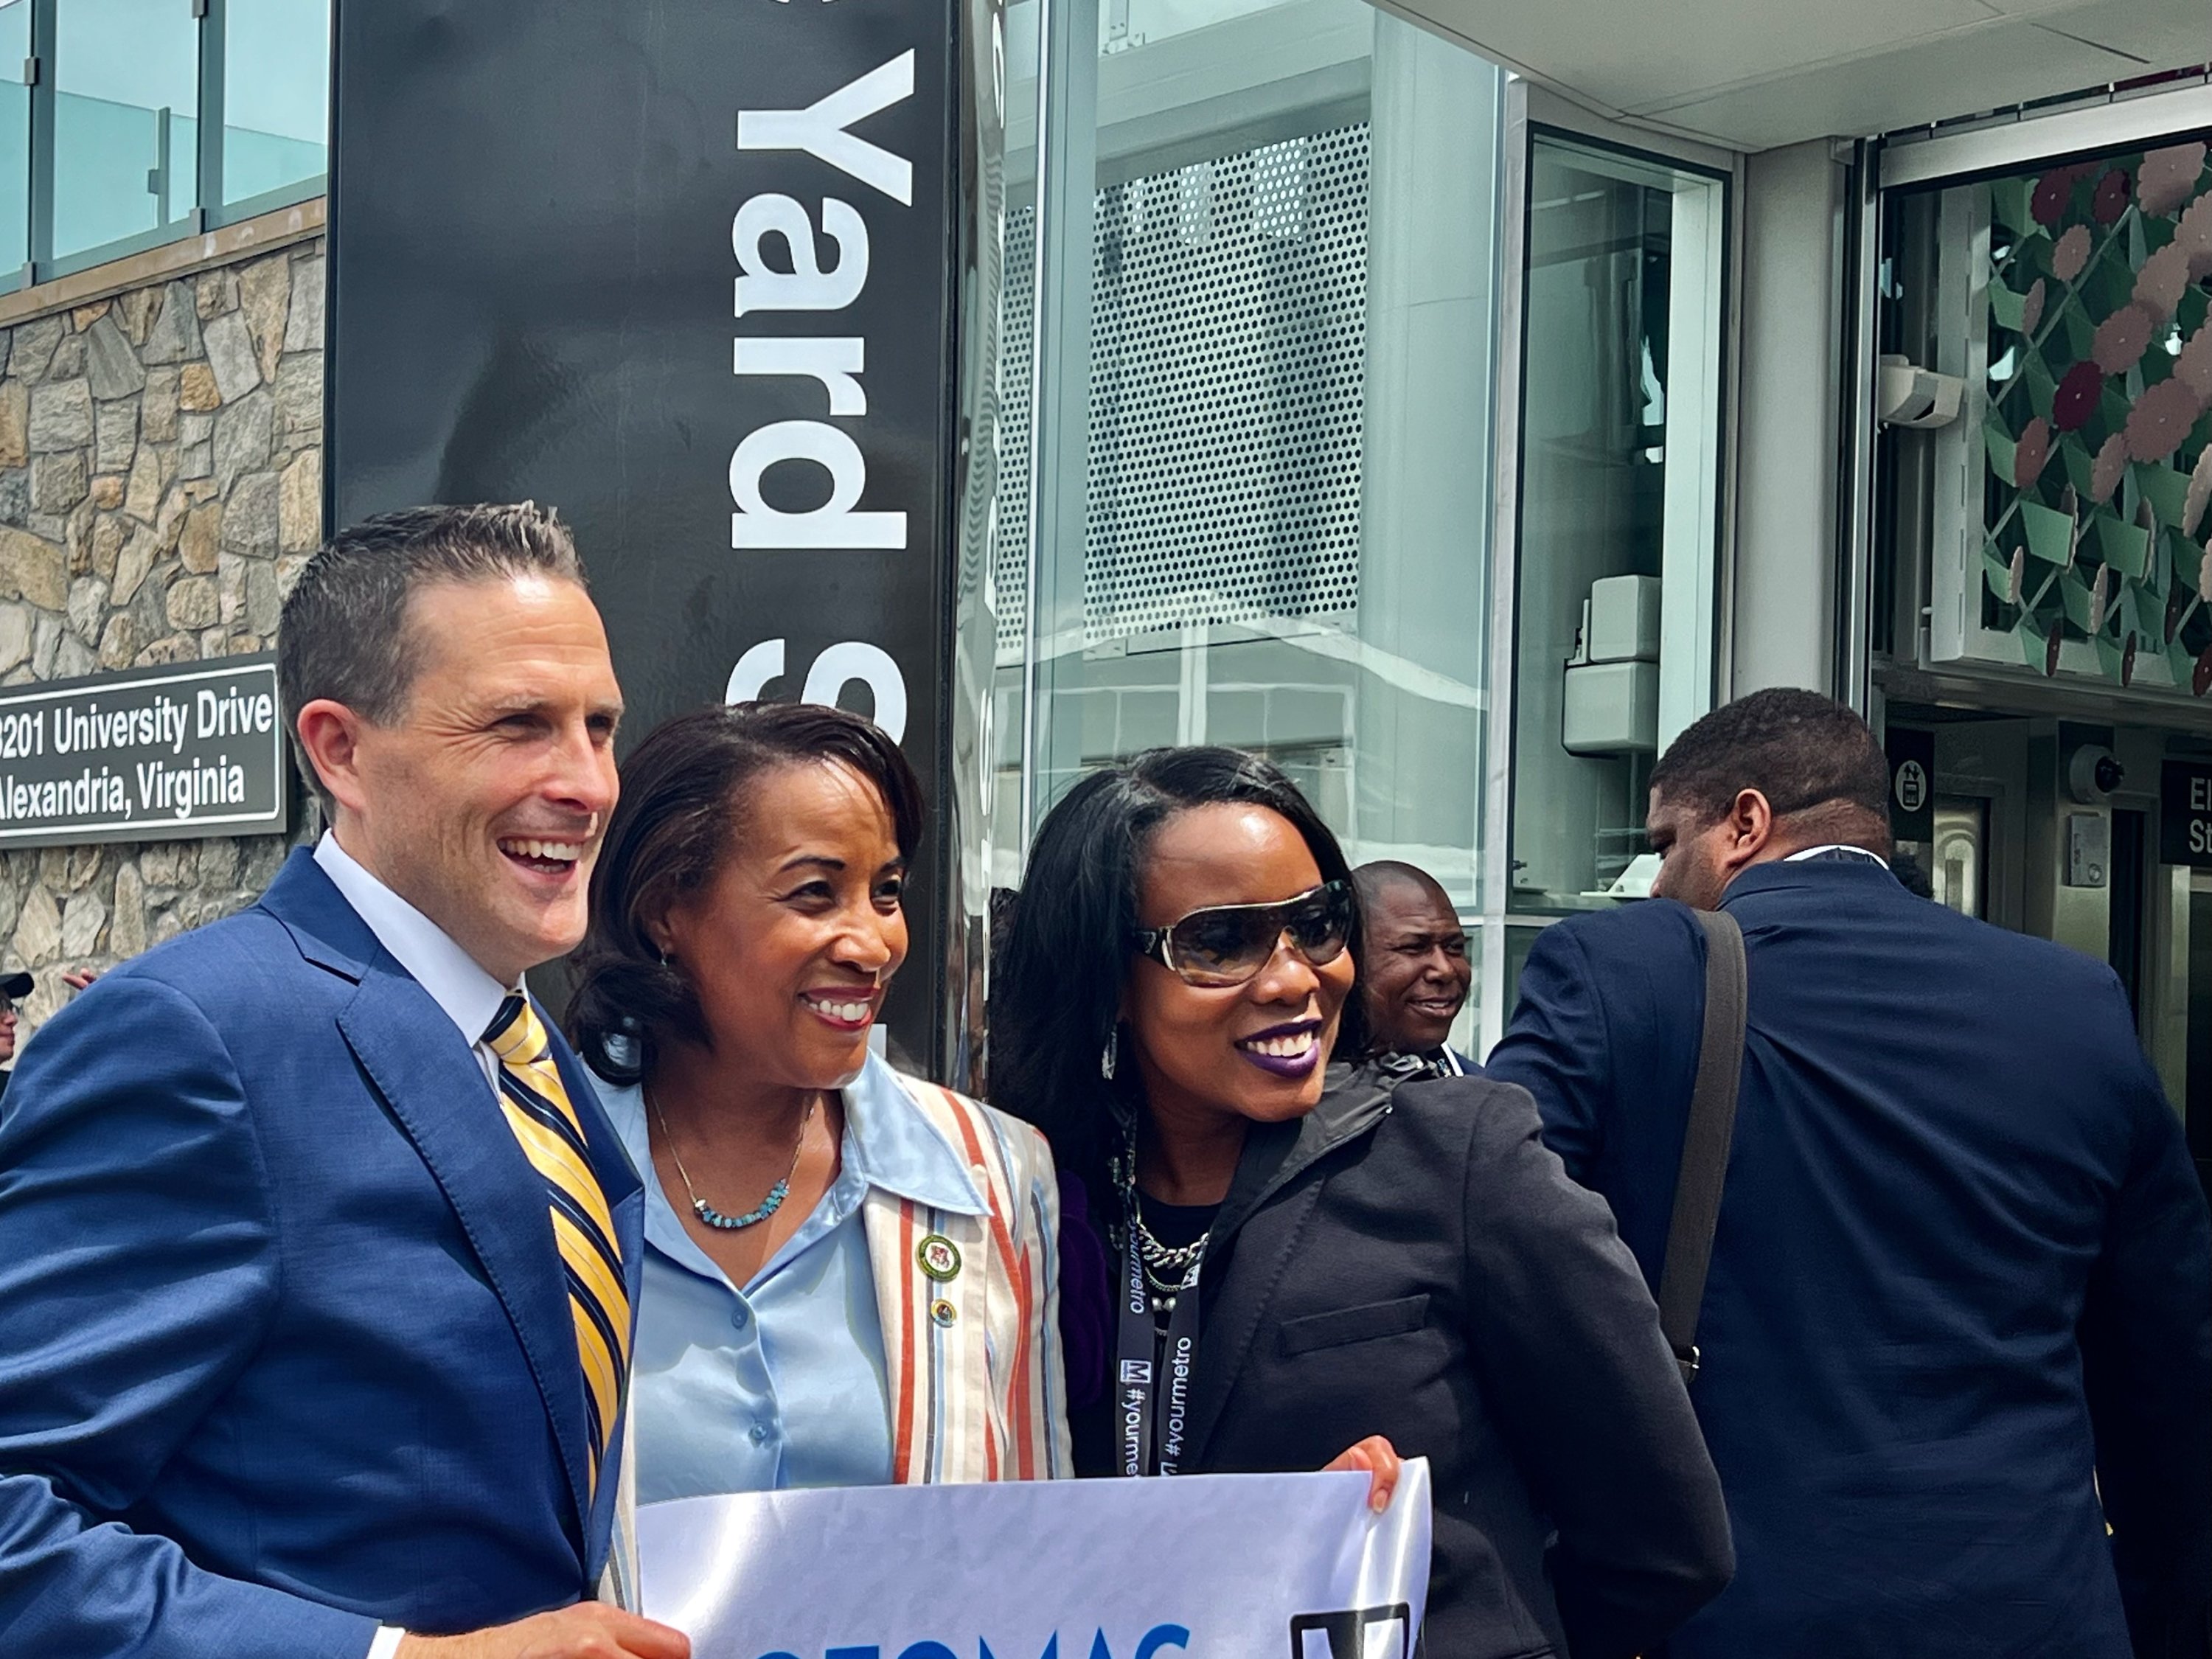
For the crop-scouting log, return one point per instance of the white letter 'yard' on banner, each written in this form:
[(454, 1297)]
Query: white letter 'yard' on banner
[(819, 129), (807, 287), (834, 524), (834, 361)]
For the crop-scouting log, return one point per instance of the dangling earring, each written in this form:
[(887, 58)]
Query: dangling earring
[(1107, 1055)]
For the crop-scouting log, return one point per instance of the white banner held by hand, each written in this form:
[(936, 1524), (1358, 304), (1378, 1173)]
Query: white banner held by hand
[(1225, 1566)]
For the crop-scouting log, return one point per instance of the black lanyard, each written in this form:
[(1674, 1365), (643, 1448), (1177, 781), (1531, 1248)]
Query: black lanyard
[(1152, 1385)]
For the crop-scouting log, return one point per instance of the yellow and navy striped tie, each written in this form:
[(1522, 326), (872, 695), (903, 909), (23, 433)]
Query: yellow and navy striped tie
[(538, 1110)]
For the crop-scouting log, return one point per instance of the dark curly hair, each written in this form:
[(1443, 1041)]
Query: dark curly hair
[(684, 792), (1806, 753), (1057, 983)]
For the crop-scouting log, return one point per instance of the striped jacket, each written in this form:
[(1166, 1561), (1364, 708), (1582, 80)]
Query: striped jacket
[(977, 1387)]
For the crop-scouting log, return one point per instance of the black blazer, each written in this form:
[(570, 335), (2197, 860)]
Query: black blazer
[(1417, 1265)]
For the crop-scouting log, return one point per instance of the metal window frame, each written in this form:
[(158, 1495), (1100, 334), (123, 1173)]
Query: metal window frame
[(1854, 552), (2123, 120), (208, 211), (1899, 165), (1532, 111)]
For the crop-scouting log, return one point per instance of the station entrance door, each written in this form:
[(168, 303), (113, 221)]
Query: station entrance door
[(2097, 837)]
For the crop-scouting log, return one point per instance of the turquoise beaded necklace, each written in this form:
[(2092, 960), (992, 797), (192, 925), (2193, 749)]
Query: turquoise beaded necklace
[(766, 1207)]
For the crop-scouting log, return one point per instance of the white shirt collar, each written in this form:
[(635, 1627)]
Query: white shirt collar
[(1802, 854), (455, 981)]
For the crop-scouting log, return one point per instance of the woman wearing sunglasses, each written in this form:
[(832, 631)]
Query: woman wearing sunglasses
[(1322, 1253)]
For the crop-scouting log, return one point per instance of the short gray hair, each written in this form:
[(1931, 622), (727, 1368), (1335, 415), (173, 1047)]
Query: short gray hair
[(344, 631)]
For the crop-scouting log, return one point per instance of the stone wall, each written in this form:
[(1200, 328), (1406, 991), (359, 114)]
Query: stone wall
[(160, 483)]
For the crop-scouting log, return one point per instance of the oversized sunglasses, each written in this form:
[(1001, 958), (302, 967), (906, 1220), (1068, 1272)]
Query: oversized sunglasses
[(1226, 945)]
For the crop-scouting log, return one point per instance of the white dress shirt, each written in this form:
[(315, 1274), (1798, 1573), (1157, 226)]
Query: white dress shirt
[(1800, 856), (455, 981)]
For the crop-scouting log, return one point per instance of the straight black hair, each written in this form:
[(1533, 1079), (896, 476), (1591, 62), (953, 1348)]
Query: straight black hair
[(684, 796), (1057, 985)]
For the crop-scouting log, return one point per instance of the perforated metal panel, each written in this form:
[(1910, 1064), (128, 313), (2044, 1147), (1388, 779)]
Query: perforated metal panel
[(1229, 345), (1010, 521)]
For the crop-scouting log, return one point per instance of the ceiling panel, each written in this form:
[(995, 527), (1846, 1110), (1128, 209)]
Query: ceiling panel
[(1962, 74), (1754, 74), (1622, 54), (2162, 34)]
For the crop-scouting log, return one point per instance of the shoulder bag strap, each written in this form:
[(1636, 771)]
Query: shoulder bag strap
[(1705, 1142)]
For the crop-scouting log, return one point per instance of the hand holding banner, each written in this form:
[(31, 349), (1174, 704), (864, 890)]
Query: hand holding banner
[(1234, 1566)]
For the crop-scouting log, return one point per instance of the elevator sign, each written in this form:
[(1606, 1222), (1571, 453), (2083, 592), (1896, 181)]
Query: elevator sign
[(2185, 814), (1911, 784)]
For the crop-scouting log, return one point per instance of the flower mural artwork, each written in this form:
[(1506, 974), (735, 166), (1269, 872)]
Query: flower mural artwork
[(2077, 399), (2194, 366), (2120, 339), (2162, 280), (2109, 468), (2167, 177), (2200, 493), (2193, 235), (2161, 421), (2111, 200), (2098, 488), (2071, 253)]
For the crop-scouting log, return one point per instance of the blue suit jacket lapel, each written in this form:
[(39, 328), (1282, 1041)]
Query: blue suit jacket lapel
[(435, 1089), (434, 1086)]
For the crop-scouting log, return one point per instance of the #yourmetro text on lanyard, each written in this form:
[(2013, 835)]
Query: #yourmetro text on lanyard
[(1152, 1380)]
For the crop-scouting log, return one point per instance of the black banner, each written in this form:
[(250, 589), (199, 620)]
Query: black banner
[(148, 754), (681, 270)]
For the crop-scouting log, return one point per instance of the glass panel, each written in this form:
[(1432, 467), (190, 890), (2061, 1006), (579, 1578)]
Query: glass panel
[(127, 127), (15, 137), (1265, 497), (276, 94), (1618, 520)]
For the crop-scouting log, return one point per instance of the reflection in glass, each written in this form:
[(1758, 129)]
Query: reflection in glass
[(15, 137), (1274, 533), (1617, 549), (127, 127), (276, 92)]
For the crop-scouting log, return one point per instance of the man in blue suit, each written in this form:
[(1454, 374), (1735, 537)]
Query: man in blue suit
[(316, 1253), (1962, 1280)]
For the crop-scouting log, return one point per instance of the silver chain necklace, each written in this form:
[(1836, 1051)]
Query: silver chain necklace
[(1170, 1269), (766, 1207)]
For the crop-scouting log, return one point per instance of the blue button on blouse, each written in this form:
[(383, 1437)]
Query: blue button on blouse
[(781, 1383)]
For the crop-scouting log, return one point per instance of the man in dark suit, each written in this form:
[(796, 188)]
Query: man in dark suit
[(1962, 1281), (316, 1254)]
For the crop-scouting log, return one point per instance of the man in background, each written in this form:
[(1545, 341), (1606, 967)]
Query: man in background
[(1961, 1284), (1413, 962), (317, 1255), (13, 987)]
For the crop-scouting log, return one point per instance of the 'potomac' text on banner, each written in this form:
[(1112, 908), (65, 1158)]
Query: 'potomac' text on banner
[(1237, 1566)]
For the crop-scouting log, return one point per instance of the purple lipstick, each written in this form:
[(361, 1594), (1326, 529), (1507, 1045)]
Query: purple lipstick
[(1289, 1051)]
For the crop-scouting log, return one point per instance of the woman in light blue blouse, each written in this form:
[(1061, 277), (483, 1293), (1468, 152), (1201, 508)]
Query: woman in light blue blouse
[(849, 1276)]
